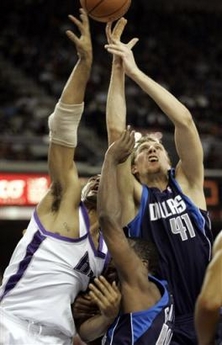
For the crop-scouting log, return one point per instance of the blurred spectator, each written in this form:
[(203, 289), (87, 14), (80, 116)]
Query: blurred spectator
[(190, 38)]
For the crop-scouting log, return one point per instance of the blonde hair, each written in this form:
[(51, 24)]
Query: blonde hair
[(144, 138)]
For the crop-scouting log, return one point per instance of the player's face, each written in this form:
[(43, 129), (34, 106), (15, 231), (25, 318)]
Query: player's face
[(89, 192), (151, 157)]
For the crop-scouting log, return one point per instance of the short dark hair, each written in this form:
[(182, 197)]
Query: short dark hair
[(146, 250)]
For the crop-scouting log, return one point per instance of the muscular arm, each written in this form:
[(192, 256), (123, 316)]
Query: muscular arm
[(126, 261), (116, 123), (187, 141), (209, 301), (64, 195), (116, 103), (61, 156)]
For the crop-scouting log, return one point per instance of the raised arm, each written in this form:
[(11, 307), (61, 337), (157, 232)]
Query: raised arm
[(116, 121), (68, 111), (209, 302), (187, 140), (64, 194), (135, 286), (116, 102)]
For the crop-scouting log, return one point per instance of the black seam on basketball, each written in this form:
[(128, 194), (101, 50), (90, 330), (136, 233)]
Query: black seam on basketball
[(92, 9)]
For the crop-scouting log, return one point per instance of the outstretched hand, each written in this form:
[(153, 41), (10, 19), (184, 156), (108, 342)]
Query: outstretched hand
[(116, 32), (83, 43), (121, 149), (122, 53)]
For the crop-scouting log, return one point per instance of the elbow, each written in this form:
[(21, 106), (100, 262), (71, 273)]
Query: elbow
[(209, 305), (187, 118)]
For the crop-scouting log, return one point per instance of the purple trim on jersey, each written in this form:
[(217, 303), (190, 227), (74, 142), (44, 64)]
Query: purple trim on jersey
[(58, 236), (97, 252), (33, 246), (85, 215), (107, 261)]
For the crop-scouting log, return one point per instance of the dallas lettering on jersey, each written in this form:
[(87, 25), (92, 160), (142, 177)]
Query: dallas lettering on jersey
[(167, 208), (179, 225)]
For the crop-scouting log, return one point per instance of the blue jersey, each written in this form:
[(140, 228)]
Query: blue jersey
[(182, 234), (152, 326)]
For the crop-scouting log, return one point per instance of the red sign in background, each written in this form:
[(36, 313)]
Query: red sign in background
[(22, 189), (27, 189)]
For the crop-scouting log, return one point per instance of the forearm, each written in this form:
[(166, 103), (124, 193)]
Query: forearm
[(172, 107), (108, 186), (116, 103), (206, 325), (74, 90), (94, 328)]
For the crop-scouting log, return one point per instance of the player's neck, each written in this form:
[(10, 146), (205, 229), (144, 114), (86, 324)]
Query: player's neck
[(157, 180)]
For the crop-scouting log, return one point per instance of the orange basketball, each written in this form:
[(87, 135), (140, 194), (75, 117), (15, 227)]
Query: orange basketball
[(105, 10)]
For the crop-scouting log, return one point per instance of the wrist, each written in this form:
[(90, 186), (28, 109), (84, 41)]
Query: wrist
[(108, 320), (86, 59), (111, 159), (133, 73), (117, 63)]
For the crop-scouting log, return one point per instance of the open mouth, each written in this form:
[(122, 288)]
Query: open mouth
[(152, 159)]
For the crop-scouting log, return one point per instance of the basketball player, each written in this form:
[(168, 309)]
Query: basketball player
[(62, 248), (160, 203), (147, 313), (209, 302)]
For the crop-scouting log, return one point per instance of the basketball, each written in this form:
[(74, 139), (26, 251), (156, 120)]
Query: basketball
[(105, 10)]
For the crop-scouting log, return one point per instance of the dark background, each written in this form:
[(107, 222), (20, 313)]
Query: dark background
[(180, 46)]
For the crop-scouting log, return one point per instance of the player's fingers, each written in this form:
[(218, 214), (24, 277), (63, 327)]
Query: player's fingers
[(97, 295), (102, 284), (72, 36), (75, 21), (96, 298), (132, 43), (84, 17), (105, 286), (108, 31), (118, 29), (116, 288), (128, 139)]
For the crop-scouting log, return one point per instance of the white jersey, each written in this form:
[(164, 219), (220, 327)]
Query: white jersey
[(47, 271)]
